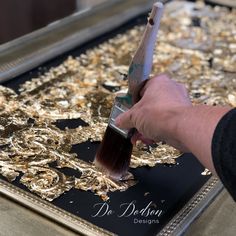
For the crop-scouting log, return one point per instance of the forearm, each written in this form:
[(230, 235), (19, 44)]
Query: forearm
[(195, 129)]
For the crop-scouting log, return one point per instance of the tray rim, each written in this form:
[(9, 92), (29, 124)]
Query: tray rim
[(31, 50), (179, 223), (51, 211), (176, 226)]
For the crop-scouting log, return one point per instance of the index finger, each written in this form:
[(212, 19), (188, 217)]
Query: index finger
[(125, 120)]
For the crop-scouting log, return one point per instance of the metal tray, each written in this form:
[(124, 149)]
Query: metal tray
[(180, 195)]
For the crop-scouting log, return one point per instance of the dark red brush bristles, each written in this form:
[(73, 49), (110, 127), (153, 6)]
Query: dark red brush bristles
[(114, 154)]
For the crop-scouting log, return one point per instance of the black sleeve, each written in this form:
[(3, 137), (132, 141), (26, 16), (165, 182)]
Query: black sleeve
[(224, 151)]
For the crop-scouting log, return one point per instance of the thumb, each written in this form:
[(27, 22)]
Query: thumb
[(125, 120)]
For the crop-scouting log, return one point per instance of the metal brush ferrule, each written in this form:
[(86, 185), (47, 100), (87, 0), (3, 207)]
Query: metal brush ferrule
[(121, 105)]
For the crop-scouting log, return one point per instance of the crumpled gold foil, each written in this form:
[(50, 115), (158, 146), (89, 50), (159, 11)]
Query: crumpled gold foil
[(144, 155), (196, 45), (94, 132), (8, 168), (48, 183), (94, 180), (206, 172)]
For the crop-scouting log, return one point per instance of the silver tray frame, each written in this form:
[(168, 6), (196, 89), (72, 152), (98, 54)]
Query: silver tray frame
[(177, 226), (29, 51)]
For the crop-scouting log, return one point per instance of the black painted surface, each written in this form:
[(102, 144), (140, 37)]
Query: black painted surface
[(170, 187)]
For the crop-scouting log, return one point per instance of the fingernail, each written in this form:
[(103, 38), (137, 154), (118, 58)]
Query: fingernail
[(133, 140), (117, 122)]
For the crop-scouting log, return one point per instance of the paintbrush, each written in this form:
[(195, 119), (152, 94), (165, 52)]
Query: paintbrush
[(114, 153)]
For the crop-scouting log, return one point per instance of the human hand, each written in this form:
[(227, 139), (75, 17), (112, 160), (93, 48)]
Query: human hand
[(157, 114)]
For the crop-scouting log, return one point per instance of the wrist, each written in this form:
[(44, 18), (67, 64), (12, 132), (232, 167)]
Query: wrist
[(173, 126), (196, 124)]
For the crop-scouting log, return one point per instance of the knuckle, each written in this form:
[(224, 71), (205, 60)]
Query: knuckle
[(130, 116)]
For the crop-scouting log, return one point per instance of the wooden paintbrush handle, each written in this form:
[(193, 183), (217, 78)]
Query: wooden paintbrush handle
[(141, 64)]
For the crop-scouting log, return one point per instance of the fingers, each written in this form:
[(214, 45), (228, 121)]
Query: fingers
[(138, 136), (160, 78), (135, 138), (125, 120), (146, 140)]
